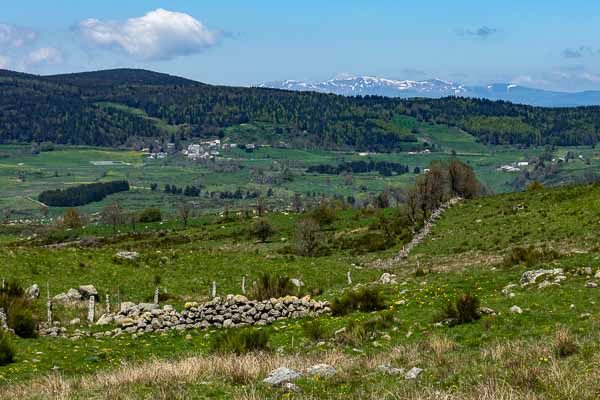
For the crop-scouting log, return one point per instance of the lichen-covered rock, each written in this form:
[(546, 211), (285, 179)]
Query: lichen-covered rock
[(281, 375), (88, 291), (321, 370)]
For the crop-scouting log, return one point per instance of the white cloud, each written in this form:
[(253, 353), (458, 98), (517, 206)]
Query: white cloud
[(44, 56), (4, 62), (14, 37), (158, 35)]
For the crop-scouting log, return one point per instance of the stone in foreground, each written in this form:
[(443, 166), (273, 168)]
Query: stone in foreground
[(321, 370), (281, 375)]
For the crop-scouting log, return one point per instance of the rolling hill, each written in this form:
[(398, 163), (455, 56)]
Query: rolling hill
[(71, 109)]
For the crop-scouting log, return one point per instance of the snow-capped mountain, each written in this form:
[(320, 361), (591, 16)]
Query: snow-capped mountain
[(435, 88)]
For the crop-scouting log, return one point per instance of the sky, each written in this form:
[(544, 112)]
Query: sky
[(544, 44)]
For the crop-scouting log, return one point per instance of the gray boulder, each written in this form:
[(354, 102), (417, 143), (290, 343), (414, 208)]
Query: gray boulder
[(388, 369), (321, 370), (413, 373), (530, 277), (88, 291), (281, 375), (74, 294), (105, 319), (297, 282), (33, 292)]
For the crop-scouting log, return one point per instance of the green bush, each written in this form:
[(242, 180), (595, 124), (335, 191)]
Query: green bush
[(21, 320), (315, 330), (365, 300), (354, 335), (262, 230), (529, 256), (7, 351), (324, 214), (365, 243), (19, 310), (150, 215), (272, 286), (463, 310), (242, 341)]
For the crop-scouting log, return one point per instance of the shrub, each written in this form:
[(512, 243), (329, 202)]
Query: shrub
[(464, 310), (72, 219), (535, 185), (324, 214), (21, 320), (19, 310), (315, 330), (564, 343), (354, 335), (7, 351), (529, 256), (150, 215), (262, 230), (366, 300), (308, 240), (366, 243), (272, 286), (242, 341)]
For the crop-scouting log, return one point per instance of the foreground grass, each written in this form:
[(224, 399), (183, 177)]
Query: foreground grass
[(503, 356)]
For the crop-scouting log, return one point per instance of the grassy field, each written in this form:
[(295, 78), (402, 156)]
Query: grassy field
[(507, 355), (23, 175)]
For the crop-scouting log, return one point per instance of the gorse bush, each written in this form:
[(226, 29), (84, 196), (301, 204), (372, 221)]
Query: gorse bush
[(150, 215), (463, 310), (564, 343), (272, 286), (262, 230), (19, 310), (529, 256), (7, 351), (365, 300), (315, 329), (241, 341)]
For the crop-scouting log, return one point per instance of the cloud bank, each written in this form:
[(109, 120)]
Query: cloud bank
[(158, 35), (580, 52), (44, 56), (14, 37)]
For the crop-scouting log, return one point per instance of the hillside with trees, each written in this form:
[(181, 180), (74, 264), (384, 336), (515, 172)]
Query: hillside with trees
[(66, 109)]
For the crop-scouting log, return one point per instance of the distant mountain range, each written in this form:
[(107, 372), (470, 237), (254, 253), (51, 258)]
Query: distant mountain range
[(436, 88)]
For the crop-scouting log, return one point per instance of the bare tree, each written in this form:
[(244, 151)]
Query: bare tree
[(308, 238), (184, 210), (112, 215)]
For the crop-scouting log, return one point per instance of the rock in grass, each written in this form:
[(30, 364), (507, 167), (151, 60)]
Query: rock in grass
[(290, 387), (387, 279), (127, 255), (33, 292), (591, 285), (487, 310), (388, 369), (413, 373), (321, 370), (597, 276), (297, 282), (88, 291), (281, 375), (516, 310), (530, 277), (105, 319)]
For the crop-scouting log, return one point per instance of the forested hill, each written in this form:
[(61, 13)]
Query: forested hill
[(71, 109)]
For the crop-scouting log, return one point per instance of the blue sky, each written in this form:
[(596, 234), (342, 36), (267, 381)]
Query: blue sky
[(548, 44)]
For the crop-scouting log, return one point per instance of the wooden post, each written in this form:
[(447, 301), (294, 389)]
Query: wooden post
[(107, 304), (91, 309), (3, 324), (244, 284), (214, 289), (156, 293), (349, 276), (49, 303)]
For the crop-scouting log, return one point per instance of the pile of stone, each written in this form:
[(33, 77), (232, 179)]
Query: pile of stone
[(419, 236), (229, 312), (75, 295)]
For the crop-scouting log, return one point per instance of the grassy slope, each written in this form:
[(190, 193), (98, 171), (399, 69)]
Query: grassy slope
[(466, 359)]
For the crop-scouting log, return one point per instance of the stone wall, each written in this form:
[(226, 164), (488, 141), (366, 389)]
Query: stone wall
[(229, 312)]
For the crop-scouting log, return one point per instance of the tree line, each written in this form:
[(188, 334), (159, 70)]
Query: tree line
[(385, 168), (66, 110), (82, 194)]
